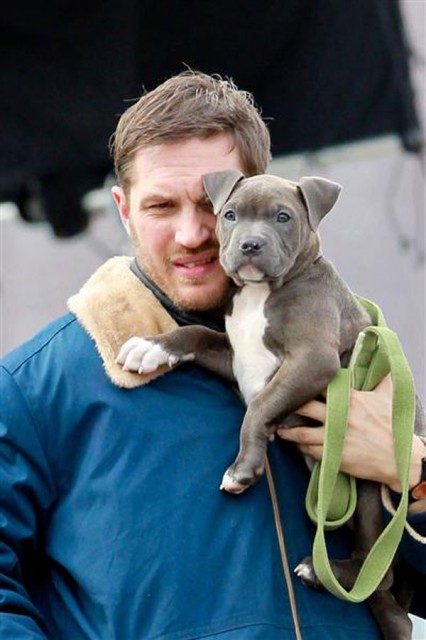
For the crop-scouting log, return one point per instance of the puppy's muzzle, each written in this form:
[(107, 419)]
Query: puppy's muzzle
[(252, 246)]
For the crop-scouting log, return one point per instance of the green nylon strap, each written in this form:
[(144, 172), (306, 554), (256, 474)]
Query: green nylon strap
[(331, 495), (340, 493)]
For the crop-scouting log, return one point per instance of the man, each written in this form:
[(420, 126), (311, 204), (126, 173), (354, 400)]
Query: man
[(112, 523)]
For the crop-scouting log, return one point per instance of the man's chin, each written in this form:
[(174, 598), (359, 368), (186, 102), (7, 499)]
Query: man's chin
[(199, 298), (190, 294)]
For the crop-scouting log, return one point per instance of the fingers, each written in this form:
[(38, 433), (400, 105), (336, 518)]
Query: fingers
[(309, 440), (304, 436), (313, 451), (307, 436), (313, 409), (360, 455), (317, 410), (385, 385)]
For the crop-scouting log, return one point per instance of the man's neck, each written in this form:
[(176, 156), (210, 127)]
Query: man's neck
[(211, 319)]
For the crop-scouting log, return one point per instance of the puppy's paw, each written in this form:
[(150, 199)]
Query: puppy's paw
[(144, 355), (305, 571), (231, 485), (237, 479)]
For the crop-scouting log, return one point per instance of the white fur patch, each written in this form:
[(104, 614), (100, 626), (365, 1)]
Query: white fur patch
[(305, 572), (232, 486), (145, 356), (250, 272), (253, 363)]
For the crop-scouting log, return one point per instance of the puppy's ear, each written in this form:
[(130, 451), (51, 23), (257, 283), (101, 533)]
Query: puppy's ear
[(320, 195), (219, 186)]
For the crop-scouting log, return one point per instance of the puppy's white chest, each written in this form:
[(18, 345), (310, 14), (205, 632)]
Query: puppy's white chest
[(253, 364)]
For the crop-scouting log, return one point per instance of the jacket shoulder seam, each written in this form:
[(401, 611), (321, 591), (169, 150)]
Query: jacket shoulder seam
[(40, 348)]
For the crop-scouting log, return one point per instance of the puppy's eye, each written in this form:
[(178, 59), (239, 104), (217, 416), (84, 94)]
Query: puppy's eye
[(230, 215), (283, 216)]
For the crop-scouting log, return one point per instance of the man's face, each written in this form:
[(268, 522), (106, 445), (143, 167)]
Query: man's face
[(171, 224)]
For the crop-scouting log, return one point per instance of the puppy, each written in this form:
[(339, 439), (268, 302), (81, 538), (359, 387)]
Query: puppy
[(291, 324)]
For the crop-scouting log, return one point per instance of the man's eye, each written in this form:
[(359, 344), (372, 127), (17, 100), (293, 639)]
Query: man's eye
[(162, 205), (283, 216), (230, 215)]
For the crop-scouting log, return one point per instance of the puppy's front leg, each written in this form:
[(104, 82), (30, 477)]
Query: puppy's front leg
[(208, 348), (299, 379)]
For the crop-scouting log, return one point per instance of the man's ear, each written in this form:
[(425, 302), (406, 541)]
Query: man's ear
[(320, 195), (219, 186), (120, 200)]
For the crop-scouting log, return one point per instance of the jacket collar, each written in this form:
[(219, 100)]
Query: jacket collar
[(114, 305)]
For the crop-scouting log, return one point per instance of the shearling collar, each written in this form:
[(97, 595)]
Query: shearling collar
[(115, 305)]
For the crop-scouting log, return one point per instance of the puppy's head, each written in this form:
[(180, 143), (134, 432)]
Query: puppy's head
[(266, 224)]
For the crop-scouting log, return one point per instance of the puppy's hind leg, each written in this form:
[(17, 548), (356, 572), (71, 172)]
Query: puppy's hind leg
[(392, 619), (368, 524)]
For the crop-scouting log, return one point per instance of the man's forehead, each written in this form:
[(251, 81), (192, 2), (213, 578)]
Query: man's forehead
[(188, 156)]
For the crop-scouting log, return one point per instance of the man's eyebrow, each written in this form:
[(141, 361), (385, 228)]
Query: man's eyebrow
[(154, 197)]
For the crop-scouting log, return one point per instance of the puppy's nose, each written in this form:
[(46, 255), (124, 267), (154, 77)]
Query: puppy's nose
[(252, 245)]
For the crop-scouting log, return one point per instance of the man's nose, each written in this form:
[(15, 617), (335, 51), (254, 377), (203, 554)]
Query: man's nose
[(194, 227)]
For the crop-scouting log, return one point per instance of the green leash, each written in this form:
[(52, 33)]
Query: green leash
[(331, 496)]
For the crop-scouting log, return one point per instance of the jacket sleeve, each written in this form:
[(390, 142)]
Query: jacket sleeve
[(26, 495)]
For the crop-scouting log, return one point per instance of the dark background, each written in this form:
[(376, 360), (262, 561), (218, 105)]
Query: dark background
[(323, 72)]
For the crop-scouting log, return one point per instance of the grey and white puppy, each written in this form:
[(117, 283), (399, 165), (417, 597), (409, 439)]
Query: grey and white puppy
[(291, 323)]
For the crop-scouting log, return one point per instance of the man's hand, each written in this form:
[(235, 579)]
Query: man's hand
[(368, 451)]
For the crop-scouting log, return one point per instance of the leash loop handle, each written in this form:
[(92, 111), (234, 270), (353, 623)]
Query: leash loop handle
[(377, 353)]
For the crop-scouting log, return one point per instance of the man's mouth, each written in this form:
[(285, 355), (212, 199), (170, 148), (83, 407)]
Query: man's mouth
[(189, 264), (196, 266)]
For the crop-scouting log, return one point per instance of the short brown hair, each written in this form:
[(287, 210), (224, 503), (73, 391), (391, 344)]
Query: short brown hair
[(190, 104)]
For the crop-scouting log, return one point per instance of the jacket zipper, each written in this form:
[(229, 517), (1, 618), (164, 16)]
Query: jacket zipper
[(284, 558)]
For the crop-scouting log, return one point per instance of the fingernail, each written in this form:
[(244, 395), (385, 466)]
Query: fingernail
[(282, 433)]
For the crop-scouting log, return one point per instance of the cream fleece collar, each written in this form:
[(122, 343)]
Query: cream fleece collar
[(115, 305)]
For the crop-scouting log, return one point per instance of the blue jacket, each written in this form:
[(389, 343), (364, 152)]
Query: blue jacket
[(112, 525)]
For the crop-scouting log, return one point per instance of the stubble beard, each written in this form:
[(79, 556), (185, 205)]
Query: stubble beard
[(168, 281)]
